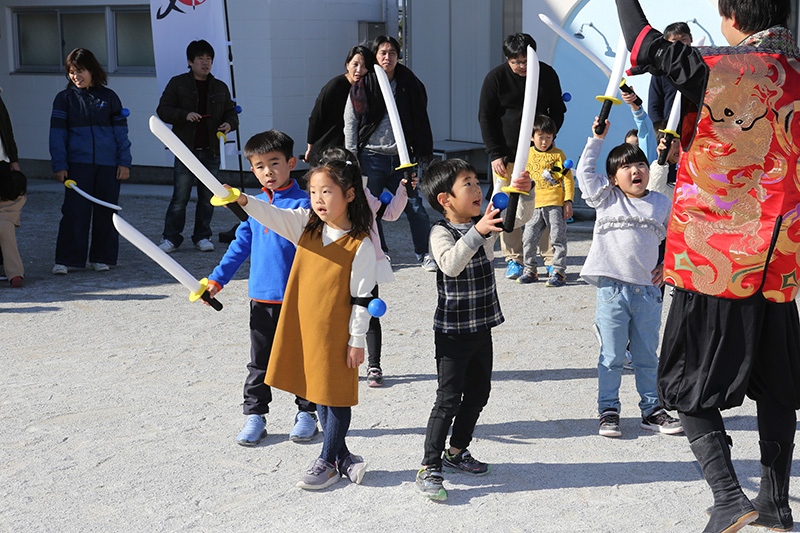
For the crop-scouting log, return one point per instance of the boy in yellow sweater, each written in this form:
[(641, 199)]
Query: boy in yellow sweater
[(555, 190)]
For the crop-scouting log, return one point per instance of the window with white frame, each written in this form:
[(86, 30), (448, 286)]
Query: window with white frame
[(120, 37)]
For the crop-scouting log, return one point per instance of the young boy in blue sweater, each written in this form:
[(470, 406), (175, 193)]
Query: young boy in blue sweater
[(271, 257)]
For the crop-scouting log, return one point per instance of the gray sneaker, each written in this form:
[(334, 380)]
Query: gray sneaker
[(661, 422), (353, 467), (427, 262), (204, 245), (320, 475), (609, 424), (429, 483), (167, 245)]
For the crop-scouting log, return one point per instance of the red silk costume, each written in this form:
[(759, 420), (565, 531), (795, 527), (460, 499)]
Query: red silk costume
[(735, 223)]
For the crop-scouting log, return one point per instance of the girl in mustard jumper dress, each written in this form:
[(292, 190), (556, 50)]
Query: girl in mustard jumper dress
[(335, 263)]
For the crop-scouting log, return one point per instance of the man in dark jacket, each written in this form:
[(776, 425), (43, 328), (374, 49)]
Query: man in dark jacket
[(198, 106), (500, 115)]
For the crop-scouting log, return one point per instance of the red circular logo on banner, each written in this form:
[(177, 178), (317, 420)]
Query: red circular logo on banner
[(191, 2)]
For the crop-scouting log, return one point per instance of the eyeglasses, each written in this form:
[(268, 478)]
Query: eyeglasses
[(518, 63)]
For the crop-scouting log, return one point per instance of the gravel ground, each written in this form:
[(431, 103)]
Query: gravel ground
[(121, 401)]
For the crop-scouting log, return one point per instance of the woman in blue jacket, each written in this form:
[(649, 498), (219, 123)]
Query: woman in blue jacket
[(88, 144)]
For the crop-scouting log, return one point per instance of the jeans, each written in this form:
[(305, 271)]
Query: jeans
[(80, 217), (551, 216), (381, 174), (464, 369), (625, 313), (183, 181)]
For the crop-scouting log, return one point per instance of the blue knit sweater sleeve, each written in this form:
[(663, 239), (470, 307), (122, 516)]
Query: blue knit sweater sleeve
[(237, 253)]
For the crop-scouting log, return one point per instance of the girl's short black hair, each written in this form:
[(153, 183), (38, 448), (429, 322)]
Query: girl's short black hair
[(342, 167), (624, 154), (83, 59), (756, 15), (440, 177)]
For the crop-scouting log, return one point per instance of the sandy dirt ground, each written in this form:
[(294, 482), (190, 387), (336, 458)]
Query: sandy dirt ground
[(121, 400)]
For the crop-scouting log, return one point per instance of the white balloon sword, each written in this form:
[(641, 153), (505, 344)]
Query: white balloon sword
[(397, 126), (610, 98), (524, 140), (182, 152), (71, 184), (198, 289)]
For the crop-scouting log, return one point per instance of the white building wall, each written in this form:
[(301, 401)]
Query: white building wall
[(284, 52)]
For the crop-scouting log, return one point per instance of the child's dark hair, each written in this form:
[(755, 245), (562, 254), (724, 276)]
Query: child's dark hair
[(676, 30), (517, 44), (83, 59), (544, 124), (624, 154), (632, 133), (269, 141), (441, 177), (199, 48), (756, 15), (13, 183), (342, 167)]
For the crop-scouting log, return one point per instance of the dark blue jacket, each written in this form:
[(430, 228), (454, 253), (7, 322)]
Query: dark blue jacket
[(87, 126)]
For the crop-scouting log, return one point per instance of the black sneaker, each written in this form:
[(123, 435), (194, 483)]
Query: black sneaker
[(464, 462), (663, 423), (609, 424), (374, 377), (429, 483)]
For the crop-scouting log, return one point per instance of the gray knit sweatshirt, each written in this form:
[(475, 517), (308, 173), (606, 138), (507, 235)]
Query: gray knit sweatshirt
[(627, 231)]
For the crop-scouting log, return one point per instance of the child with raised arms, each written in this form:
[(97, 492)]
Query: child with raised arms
[(623, 264), (321, 333)]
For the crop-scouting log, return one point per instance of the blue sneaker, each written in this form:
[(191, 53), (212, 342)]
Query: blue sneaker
[(255, 429), (549, 269), (305, 427), (556, 280), (514, 269)]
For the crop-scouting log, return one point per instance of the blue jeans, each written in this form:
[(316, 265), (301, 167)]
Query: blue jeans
[(183, 181), (381, 174), (625, 313)]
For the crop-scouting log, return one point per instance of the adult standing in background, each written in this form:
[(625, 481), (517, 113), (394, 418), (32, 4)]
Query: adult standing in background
[(326, 123), (368, 133), (12, 198), (89, 145), (198, 105), (500, 115)]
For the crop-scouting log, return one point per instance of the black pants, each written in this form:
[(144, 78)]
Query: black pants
[(257, 394), (374, 339), (464, 369)]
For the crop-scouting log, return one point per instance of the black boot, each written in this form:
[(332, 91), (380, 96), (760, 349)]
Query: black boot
[(772, 502), (732, 510)]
